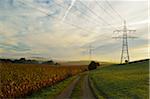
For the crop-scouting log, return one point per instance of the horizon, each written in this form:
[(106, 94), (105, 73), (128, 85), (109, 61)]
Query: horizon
[(71, 61)]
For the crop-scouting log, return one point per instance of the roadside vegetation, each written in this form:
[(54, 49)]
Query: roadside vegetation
[(130, 81), (52, 91)]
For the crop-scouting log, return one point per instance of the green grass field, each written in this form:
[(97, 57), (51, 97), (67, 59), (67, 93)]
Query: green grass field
[(129, 81)]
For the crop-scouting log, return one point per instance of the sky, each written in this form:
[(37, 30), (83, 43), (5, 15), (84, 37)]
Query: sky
[(65, 29)]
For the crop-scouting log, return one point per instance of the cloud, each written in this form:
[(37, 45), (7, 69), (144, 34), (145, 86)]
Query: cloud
[(19, 47), (66, 13), (34, 28)]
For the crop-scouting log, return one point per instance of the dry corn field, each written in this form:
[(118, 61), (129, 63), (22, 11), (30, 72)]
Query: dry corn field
[(20, 80)]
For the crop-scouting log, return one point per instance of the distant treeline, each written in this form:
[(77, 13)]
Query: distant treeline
[(27, 61)]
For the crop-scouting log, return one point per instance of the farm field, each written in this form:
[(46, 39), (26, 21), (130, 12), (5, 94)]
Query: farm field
[(130, 81), (20, 80)]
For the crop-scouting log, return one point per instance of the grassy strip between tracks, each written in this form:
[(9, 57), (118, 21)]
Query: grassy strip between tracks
[(77, 91), (53, 91)]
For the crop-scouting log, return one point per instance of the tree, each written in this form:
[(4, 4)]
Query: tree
[(92, 65), (49, 62), (126, 61), (97, 64)]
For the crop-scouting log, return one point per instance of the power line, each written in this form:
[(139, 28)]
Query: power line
[(78, 10), (114, 10), (100, 18), (90, 49), (42, 11), (90, 52), (103, 9), (85, 14), (90, 11), (82, 13)]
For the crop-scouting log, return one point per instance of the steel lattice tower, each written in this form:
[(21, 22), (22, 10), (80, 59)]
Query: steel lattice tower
[(125, 51), (90, 52)]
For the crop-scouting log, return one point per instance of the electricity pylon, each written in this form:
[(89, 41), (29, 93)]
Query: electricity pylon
[(90, 52), (125, 51)]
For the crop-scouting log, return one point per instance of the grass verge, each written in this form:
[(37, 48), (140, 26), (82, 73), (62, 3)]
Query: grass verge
[(95, 91)]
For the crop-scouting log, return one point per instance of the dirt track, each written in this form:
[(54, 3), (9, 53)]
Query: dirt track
[(86, 90), (67, 92)]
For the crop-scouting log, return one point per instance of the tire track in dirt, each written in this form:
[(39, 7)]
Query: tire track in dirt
[(87, 92)]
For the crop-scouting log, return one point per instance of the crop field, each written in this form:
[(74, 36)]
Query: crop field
[(20, 80), (130, 81)]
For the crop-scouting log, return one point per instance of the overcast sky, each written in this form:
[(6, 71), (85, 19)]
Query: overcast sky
[(64, 29)]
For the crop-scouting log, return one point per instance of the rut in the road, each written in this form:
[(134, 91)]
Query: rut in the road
[(87, 92)]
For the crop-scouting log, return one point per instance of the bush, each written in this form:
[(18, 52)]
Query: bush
[(97, 64), (93, 65)]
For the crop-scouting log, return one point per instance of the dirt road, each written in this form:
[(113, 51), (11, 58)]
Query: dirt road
[(67, 92), (86, 91)]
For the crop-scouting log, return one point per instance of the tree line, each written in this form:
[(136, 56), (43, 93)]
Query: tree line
[(28, 61)]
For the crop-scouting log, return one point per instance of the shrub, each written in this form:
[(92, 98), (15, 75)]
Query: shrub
[(92, 65)]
